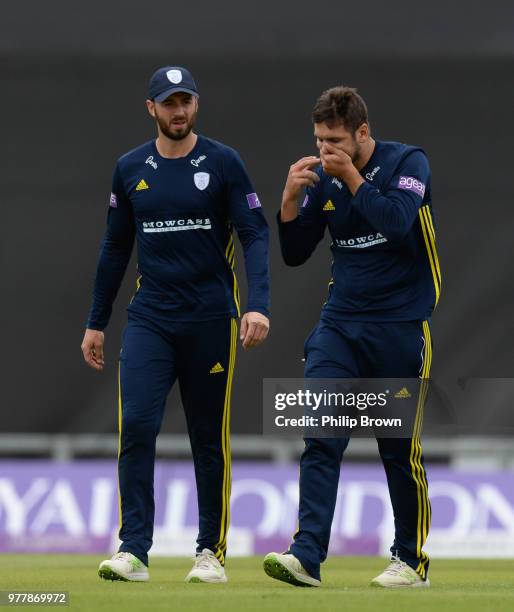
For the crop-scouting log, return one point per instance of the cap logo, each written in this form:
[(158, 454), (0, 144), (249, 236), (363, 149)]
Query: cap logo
[(175, 76)]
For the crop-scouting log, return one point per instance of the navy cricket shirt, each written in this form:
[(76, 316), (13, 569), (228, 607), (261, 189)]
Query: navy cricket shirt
[(182, 212), (385, 265)]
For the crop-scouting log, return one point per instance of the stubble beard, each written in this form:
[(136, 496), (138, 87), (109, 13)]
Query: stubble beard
[(176, 134), (357, 153)]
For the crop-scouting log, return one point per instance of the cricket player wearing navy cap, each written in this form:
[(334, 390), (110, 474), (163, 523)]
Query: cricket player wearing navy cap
[(374, 197), (179, 196)]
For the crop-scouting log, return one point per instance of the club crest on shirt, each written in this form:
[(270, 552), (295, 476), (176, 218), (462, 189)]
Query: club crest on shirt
[(201, 180)]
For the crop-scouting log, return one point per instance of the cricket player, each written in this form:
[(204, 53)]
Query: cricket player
[(375, 199), (180, 196)]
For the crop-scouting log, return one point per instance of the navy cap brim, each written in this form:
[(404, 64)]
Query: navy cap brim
[(166, 94)]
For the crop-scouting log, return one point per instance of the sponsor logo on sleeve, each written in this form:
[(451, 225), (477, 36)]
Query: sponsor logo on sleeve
[(113, 201), (411, 184), (253, 200)]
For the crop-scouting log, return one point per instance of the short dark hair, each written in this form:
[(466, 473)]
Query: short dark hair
[(341, 105)]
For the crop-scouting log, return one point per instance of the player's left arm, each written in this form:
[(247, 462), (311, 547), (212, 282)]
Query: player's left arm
[(393, 210), (245, 212)]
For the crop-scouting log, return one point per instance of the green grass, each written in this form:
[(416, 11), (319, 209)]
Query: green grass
[(456, 586)]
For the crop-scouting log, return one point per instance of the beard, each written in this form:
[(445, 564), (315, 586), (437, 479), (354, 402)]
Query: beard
[(175, 133), (356, 153)]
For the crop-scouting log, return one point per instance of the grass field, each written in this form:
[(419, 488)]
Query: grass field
[(456, 586)]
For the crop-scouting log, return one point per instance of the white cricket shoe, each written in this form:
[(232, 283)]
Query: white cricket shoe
[(206, 568), (399, 575), (287, 567), (124, 566)]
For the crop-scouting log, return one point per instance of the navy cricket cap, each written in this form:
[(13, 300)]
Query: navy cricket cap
[(168, 80)]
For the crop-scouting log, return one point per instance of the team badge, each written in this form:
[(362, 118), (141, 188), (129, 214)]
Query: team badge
[(201, 180), (175, 76)]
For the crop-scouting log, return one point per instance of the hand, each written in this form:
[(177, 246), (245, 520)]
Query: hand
[(254, 329), (338, 163), (300, 176), (93, 349), (335, 161)]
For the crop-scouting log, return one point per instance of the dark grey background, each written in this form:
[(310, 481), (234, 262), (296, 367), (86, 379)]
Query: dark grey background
[(73, 100)]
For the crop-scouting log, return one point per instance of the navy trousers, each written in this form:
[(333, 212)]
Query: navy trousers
[(350, 349), (201, 355)]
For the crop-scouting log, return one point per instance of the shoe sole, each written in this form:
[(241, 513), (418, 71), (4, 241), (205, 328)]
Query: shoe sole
[(425, 584), (278, 571), (196, 580), (107, 573)]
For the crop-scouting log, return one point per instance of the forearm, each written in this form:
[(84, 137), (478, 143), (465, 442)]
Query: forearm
[(353, 179), (257, 273), (111, 268), (298, 238), (393, 216), (288, 209)]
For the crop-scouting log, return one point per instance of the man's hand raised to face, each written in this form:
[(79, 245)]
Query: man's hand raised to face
[(300, 176), (336, 162)]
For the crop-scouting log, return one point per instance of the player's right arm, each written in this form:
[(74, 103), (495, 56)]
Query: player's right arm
[(300, 228), (114, 257)]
